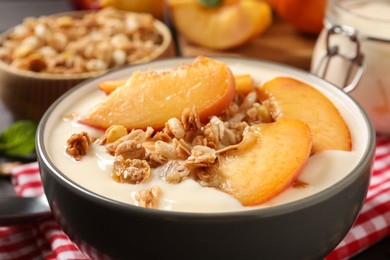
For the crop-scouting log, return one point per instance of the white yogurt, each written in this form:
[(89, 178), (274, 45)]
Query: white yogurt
[(93, 171)]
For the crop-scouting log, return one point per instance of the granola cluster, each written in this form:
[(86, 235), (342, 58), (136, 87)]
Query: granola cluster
[(68, 45), (184, 148), (77, 145)]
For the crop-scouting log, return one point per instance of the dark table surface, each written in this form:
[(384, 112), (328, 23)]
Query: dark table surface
[(12, 12)]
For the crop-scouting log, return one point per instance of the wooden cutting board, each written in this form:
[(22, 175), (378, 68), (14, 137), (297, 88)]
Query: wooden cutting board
[(280, 43)]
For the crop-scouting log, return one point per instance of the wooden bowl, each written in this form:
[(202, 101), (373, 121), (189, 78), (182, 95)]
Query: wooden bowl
[(28, 94)]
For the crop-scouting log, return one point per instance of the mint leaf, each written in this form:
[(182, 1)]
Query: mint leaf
[(18, 139)]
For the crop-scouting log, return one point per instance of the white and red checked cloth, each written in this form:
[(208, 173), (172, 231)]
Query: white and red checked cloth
[(46, 240)]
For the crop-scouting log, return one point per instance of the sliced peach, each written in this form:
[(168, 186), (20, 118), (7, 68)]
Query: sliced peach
[(293, 99), (244, 84), (110, 85), (256, 173), (151, 98)]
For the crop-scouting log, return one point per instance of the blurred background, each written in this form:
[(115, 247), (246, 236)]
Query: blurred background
[(283, 31)]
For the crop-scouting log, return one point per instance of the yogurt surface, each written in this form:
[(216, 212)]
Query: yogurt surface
[(93, 172)]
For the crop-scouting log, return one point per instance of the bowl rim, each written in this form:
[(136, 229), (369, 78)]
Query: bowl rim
[(160, 26), (364, 163)]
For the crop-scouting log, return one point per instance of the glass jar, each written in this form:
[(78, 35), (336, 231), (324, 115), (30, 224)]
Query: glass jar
[(353, 52)]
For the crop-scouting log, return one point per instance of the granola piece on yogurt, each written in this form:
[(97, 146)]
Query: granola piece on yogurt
[(174, 172), (201, 156), (131, 149), (77, 145), (132, 171), (148, 198)]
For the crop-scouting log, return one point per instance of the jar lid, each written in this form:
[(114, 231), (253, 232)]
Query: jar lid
[(371, 18)]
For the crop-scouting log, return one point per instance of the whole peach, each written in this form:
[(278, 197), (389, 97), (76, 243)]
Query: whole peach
[(305, 15)]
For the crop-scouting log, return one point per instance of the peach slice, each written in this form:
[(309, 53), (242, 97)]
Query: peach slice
[(110, 85), (151, 98), (289, 98), (228, 25), (244, 84), (256, 173)]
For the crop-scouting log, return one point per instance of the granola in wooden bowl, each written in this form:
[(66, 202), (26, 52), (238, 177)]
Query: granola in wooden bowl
[(45, 56)]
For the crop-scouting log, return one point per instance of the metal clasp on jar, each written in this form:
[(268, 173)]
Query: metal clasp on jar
[(334, 50)]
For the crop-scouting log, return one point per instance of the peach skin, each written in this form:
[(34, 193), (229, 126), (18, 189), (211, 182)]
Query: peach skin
[(150, 98)]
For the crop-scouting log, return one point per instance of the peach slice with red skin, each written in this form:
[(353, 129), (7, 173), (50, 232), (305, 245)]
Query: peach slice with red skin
[(244, 84), (292, 99), (266, 166), (151, 98), (110, 85)]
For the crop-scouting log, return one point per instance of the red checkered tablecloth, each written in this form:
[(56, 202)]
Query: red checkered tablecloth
[(46, 240)]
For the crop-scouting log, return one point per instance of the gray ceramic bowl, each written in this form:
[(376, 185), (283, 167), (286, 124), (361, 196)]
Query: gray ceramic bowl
[(308, 228)]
